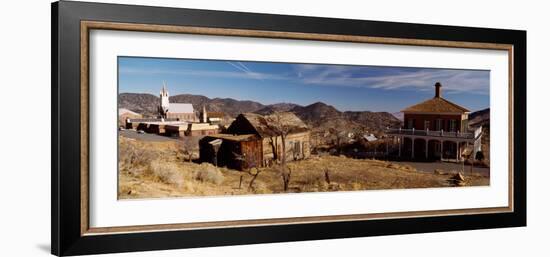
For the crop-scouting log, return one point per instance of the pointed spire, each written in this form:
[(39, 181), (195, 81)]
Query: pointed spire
[(204, 114)]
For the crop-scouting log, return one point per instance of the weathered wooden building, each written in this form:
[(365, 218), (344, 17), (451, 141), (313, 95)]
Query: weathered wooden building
[(258, 141), (124, 115), (237, 152)]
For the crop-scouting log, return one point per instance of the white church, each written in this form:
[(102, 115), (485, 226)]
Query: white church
[(175, 111)]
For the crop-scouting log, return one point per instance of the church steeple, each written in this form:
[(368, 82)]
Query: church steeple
[(164, 100), (204, 117)]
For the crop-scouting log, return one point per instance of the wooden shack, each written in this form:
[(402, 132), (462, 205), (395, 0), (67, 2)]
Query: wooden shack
[(237, 152), (258, 139)]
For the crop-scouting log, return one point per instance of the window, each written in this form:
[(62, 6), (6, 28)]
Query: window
[(297, 147), (452, 125), (438, 124), (426, 125), (410, 123)]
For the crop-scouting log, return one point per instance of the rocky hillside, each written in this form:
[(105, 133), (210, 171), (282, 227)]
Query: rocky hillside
[(317, 115), (481, 117), (280, 107), (147, 104), (229, 106), (378, 120), (322, 116)]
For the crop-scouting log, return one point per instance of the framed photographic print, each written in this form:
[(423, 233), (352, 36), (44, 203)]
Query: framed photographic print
[(178, 128)]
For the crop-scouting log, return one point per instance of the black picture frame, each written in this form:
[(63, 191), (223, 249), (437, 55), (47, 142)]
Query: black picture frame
[(66, 209)]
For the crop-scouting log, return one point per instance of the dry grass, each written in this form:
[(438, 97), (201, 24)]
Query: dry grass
[(161, 169), (208, 173)]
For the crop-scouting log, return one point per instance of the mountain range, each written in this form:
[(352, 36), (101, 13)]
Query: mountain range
[(481, 117), (317, 115)]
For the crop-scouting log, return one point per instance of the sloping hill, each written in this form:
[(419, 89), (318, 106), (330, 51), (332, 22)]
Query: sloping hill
[(317, 115), (147, 104)]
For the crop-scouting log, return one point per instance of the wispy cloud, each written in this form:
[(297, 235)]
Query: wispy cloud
[(386, 78), (240, 74), (240, 66), (454, 81)]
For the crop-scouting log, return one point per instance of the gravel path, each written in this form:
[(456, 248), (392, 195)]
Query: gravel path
[(145, 137), (446, 166)]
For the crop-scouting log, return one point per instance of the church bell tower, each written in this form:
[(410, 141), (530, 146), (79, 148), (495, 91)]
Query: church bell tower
[(164, 101)]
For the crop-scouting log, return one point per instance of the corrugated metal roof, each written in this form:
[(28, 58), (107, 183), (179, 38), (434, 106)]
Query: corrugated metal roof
[(180, 108)]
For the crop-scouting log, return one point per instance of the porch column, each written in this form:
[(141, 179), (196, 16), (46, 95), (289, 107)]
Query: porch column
[(427, 141), (457, 151), (412, 152), (399, 143), (441, 150)]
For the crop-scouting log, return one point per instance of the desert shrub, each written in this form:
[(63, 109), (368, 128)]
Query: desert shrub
[(311, 179), (260, 188), (167, 173), (356, 186), (207, 172), (134, 159)]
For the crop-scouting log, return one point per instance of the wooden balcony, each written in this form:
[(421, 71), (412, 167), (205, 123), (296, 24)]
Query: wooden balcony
[(434, 133)]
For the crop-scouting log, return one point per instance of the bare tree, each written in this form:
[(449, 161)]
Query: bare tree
[(274, 147), (327, 176), (339, 138), (281, 128), (190, 145), (249, 166), (286, 177), (254, 176)]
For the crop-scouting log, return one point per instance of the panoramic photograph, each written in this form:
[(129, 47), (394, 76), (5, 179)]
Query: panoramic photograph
[(191, 128)]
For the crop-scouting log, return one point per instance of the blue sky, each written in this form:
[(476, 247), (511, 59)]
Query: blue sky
[(346, 87)]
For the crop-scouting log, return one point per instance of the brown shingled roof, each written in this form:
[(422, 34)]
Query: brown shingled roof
[(436, 105), (262, 123)]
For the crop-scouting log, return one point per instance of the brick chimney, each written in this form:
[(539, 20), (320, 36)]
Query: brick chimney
[(438, 90)]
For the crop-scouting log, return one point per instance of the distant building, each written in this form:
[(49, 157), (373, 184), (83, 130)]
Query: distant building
[(253, 140), (436, 129), (191, 129), (211, 117), (181, 112), (202, 129), (124, 115), (177, 111)]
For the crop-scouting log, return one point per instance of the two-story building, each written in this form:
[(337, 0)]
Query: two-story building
[(436, 129)]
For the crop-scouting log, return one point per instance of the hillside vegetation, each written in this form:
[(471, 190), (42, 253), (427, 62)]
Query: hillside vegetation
[(161, 169)]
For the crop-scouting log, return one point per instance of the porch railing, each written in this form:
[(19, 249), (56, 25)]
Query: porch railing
[(434, 133)]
